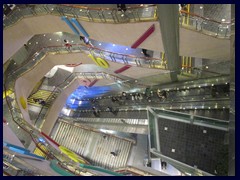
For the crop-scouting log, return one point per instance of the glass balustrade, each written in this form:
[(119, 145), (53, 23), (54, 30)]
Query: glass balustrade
[(108, 15), (198, 120)]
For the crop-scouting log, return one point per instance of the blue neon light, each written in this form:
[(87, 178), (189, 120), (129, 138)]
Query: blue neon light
[(75, 99), (80, 27), (70, 25)]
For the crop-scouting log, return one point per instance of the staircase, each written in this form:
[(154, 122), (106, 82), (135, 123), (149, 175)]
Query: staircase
[(95, 146)]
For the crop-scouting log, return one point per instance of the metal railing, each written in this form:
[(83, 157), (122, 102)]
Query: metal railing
[(112, 15), (84, 13)]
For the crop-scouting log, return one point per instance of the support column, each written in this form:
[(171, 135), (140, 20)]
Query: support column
[(231, 162), (169, 25)]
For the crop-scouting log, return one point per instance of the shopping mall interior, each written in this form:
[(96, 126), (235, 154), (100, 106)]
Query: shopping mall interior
[(118, 89)]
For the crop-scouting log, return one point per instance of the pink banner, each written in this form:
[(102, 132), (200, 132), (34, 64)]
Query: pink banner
[(144, 36)]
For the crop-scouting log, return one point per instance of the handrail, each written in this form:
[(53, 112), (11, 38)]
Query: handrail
[(100, 169), (204, 18), (80, 46), (103, 8), (112, 17)]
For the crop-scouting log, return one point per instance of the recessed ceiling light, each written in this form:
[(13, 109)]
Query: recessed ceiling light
[(99, 44), (201, 7), (126, 48), (113, 44), (206, 67), (50, 39), (36, 42), (44, 35), (223, 20)]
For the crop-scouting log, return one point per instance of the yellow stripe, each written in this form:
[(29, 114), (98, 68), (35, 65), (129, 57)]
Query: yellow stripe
[(188, 10)]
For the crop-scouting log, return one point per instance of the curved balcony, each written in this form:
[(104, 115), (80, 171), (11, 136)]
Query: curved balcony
[(132, 14)]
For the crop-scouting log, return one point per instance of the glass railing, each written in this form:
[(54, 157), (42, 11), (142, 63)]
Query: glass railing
[(193, 119), (205, 25), (84, 13), (29, 130), (184, 168), (23, 165), (111, 15)]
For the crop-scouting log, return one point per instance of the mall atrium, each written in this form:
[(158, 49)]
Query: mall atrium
[(118, 89)]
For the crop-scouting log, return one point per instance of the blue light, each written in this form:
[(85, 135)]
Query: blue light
[(41, 140), (83, 92)]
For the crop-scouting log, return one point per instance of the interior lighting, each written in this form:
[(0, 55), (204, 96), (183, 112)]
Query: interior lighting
[(195, 108), (36, 42), (141, 5), (80, 10), (18, 127), (52, 9), (146, 9), (57, 39), (72, 41), (182, 67), (226, 83), (126, 48), (44, 35), (206, 67), (209, 108), (201, 7), (223, 20), (7, 123), (223, 107), (199, 86), (212, 84), (29, 43), (122, 15), (113, 44), (99, 44), (50, 39)]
